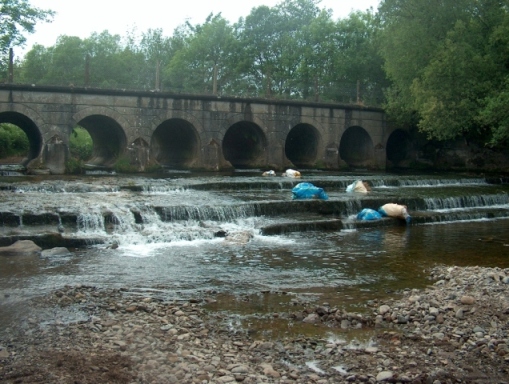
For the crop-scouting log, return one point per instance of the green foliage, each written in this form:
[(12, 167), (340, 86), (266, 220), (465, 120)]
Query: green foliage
[(80, 144), (443, 65), (495, 115), (17, 18), (448, 63), (13, 141), (123, 165), (204, 62), (153, 168), (272, 48), (293, 50), (74, 166)]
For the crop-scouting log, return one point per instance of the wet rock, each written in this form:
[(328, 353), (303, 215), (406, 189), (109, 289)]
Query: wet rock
[(4, 354), (312, 318), (242, 237), (383, 309), (21, 248), (268, 370), (384, 376), (55, 252), (467, 300), (182, 343)]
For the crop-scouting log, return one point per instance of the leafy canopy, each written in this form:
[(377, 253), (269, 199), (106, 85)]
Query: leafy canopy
[(448, 61), (17, 18)]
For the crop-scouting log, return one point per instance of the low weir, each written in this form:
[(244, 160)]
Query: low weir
[(102, 209)]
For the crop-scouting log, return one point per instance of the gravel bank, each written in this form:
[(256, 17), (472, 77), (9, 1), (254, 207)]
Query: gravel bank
[(455, 331)]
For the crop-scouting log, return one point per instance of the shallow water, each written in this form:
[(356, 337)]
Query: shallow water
[(180, 258)]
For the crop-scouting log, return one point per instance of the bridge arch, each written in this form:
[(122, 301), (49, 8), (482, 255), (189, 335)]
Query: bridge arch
[(244, 145), (356, 147), (302, 145), (175, 144), (29, 127), (108, 136), (399, 147), (56, 111)]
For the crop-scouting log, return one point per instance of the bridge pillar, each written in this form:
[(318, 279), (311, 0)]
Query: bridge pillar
[(331, 157), (139, 154), (211, 155), (55, 155), (379, 154)]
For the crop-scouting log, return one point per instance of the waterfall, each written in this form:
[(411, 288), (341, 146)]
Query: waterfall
[(90, 223), (426, 182), (138, 210), (199, 213), (462, 202)]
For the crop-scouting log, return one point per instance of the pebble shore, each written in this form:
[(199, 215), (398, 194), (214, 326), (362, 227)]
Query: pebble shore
[(454, 331)]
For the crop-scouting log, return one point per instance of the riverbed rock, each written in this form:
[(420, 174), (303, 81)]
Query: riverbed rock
[(241, 237), (21, 248), (56, 252), (128, 338), (467, 300)]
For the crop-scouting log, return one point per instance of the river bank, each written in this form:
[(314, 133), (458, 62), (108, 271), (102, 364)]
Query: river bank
[(456, 330)]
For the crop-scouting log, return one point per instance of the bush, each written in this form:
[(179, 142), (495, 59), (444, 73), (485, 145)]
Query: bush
[(13, 141), (80, 144), (123, 165), (74, 166)]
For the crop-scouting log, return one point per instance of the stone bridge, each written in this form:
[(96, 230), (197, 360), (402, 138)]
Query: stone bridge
[(194, 132)]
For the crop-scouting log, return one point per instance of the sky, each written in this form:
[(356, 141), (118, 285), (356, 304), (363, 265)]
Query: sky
[(82, 18)]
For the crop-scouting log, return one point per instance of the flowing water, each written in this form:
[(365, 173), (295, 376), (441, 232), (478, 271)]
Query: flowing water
[(164, 237)]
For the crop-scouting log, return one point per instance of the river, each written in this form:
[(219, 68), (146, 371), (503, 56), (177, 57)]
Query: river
[(163, 236)]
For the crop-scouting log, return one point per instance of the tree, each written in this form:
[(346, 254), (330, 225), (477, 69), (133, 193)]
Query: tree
[(203, 64), (35, 65), (111, 63), (100, 60), (411, 30), (271, 39), (494, 111), (17, 17), (451, 87), (157, 50), (357, 61), (318, 53), (448, 61)]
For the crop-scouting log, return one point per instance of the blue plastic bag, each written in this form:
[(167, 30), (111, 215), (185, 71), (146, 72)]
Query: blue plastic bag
[(308, 191), (368, 214)]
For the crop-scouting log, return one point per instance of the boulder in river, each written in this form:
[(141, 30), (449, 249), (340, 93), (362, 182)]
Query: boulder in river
[(241, 237), (21, 248), (56, 252)]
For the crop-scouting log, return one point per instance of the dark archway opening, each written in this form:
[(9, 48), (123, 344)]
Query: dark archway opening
[(175, 144), (356, 148), (21, 129), (301, 146), (244, 145), (399, 147), (109, 140)]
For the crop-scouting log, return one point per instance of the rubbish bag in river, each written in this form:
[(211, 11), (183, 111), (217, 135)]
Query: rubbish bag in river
[(308, 191), (291, 173), (368, 214), (358, 186), (395, 210)]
